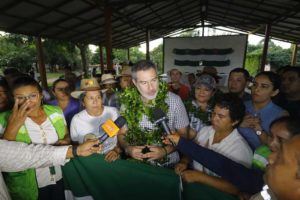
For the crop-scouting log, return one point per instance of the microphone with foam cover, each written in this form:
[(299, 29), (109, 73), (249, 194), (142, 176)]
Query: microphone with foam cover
[(161, 119)]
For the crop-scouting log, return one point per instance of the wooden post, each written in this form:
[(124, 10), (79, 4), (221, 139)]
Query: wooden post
[(41, 62), (101, 59), (147, 44), (294, 55), (83, 47), (128, 54), (265, 49), (108, 36)]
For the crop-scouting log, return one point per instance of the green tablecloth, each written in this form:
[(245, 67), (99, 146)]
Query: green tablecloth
[(126, 179), (195, 191)]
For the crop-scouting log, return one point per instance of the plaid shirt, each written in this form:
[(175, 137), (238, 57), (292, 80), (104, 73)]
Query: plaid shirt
[(196, 123), (177, 114), (111, 101), (178, 119)]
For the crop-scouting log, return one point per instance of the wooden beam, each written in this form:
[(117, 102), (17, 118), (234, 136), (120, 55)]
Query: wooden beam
[(41, 62), (101, 59), (108, 36), (266, 45), (294, 54)]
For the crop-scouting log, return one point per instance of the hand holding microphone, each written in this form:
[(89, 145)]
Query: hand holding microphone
[(161, 119)]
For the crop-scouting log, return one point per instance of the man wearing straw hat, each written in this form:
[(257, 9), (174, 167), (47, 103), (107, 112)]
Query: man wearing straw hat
[(109, 96), (125, 78)]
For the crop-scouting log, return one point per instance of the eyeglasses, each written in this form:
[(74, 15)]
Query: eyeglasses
[(32, 97)]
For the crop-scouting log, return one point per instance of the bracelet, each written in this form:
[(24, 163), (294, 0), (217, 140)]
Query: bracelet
[(166, 152), (74, 151)]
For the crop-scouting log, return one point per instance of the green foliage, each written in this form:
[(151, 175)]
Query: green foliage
[(20, 51), (118, 54), (277, 57), (61, 53), (252, 63), (133, 110), (157, 57), (17, 51), (136, 54)]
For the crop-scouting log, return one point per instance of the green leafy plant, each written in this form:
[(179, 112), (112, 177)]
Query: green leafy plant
[(133, 110)]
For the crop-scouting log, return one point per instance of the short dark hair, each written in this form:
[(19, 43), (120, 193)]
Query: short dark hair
[(292, 124), (142, 65), (26, 81), (292, 69), (273, 77), (241, 70), (234, 104), (57, 81), (4, 83), (11, 70)]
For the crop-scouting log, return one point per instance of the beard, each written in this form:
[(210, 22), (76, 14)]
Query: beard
[(149, 97)]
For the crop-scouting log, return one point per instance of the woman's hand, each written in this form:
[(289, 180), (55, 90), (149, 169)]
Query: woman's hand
[(180, 167), (191, 176), (19, 113), (16, 119), (248, 121), (171, 139), (112, 155)]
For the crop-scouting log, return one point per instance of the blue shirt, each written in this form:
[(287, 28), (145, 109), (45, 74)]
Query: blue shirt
[(72, 109), (267, 114)]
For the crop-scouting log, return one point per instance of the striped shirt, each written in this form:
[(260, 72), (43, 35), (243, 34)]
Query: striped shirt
[(12, 156)]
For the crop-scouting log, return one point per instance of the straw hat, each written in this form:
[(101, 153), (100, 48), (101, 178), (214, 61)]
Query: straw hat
[(107, 79), (90, 84)]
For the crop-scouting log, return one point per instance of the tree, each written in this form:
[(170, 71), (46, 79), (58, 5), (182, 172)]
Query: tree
[(17, 51), (136, 54), (61, 53), (157, 56)]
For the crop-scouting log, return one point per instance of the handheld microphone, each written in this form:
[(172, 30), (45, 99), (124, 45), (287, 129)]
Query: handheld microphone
[(161, 118), (111, 128)]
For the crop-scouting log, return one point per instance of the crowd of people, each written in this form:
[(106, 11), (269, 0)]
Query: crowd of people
[(229, 140)]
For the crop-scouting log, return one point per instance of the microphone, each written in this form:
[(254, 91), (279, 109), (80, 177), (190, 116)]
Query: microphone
[(161, 119), (111, 128)]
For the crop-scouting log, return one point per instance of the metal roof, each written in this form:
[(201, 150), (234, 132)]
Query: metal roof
[(83, 20)]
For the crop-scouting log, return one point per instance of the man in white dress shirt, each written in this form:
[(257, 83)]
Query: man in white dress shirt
[(12, 156)]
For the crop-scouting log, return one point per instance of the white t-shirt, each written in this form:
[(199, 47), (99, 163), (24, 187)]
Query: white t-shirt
[(83, 124), (44, 134), (233, 147)]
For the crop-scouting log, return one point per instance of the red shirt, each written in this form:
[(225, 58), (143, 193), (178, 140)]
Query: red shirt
[(182, 91)]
